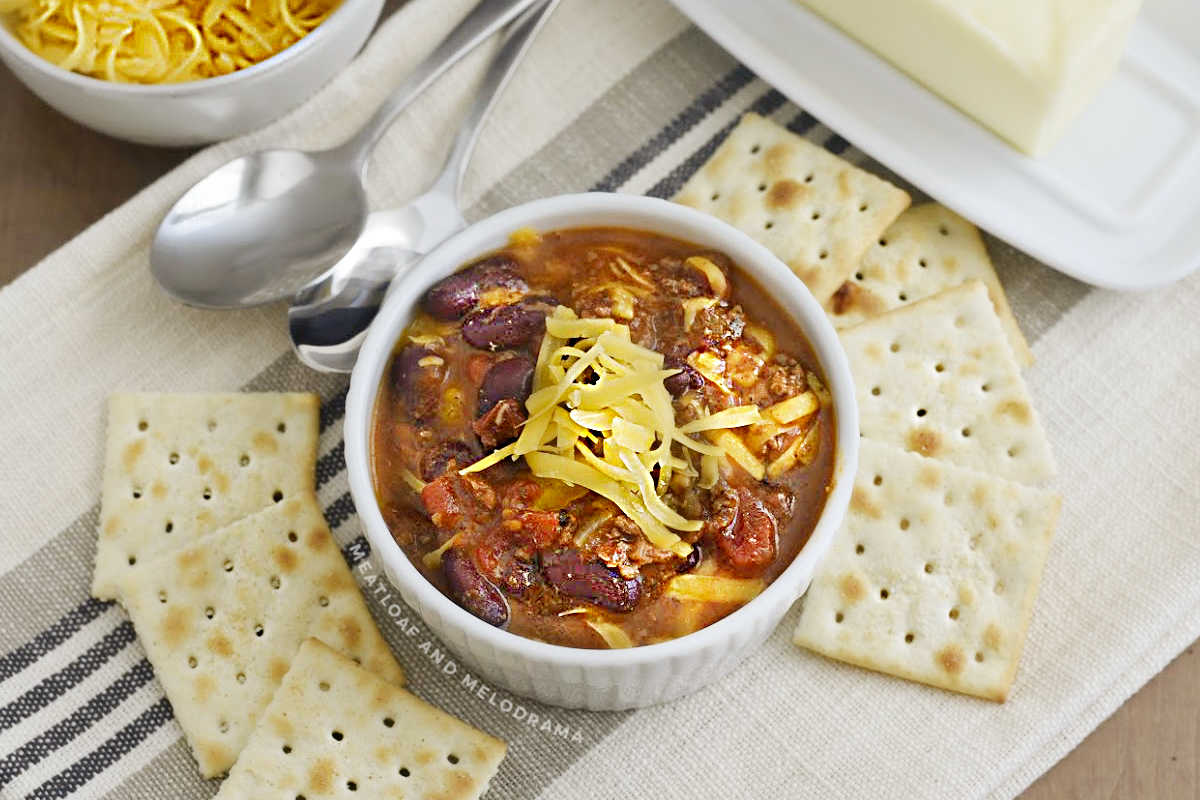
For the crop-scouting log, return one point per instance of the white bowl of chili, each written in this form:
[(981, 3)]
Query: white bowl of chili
[(599, 679), (199, 111)]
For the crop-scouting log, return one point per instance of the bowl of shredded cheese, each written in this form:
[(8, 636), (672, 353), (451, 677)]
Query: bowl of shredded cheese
[(180, 72)]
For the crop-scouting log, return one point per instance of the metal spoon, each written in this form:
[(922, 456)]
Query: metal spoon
[(328, 319), (264, 225)]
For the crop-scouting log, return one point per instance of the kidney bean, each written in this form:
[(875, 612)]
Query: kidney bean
[(501, 327), (749, 544), (590, 580), (686, 378), (455, 295), (420, 387), (512, 377), (471, 590), (436, 460)]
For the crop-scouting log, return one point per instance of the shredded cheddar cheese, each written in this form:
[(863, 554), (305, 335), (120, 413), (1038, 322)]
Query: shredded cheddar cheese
[(600, 418)]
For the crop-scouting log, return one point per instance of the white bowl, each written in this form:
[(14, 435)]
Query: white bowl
[(566, 676), (203, 111)]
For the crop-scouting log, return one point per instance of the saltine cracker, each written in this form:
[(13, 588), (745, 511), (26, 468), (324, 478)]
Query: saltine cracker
[(818, 213), (334, 729), (178, 466), (933, 575)]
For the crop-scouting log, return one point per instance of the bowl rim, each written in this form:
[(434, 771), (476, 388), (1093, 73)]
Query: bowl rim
[(489, 234), (13, 45)]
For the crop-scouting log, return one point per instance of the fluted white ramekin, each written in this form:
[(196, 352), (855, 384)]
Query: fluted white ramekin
[(565, 676)]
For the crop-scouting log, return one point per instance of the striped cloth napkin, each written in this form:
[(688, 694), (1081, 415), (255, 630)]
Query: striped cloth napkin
[(616, 96)]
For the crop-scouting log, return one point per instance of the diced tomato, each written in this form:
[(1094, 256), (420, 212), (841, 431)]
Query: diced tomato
[(442, 502), (522, 494), (540, 527)]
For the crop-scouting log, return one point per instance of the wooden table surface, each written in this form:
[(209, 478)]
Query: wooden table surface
[(57, 177)]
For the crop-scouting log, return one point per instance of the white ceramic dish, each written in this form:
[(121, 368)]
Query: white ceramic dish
[(599, 679), (199, 112), (1115, 203)]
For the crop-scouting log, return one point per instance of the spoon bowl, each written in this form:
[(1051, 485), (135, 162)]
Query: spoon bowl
[(259, 228)]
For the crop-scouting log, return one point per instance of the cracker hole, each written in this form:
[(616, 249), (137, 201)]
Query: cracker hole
[(192, 662), (223, 726), (928, 568), (943, 230), (939, 367), (904, 524), (1012, 452), (921, 412), (883, 242), (903, 297), (132, 560), (953, 613), (207, 493), (923, 264), (173, 458), (162, 596), (240, 677), (243, 460), (227, 566), (858, 276), (143, 425), (895, 348), (291, 536), (754, 149), (816, 215), (170, 526), (978, 657), (987, 387), (878, 480), (862, 208), (808, 178), (275, 583), (212, 424), (352, 786), (323, 600), (966, 432), (838, 617), (388, 722), (277, 496), (875, 390), (287, 749), (323, 686), (768, 225), (860, 549), (762, 187), (210, 612), (453, 759), (908, 638), (137, 494), (258, 631), (715, 196), (883, 594), (824, 254), (301, 797), (281, 427), (404, 773), (337, 736)]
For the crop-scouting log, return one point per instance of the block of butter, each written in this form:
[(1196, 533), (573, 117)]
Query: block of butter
[(1024, 68)]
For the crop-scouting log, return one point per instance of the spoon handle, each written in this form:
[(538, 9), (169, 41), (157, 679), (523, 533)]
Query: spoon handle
[(517, 39), (484, 20)]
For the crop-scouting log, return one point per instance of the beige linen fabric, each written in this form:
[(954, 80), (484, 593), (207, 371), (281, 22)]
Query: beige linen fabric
[(620, 95)]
